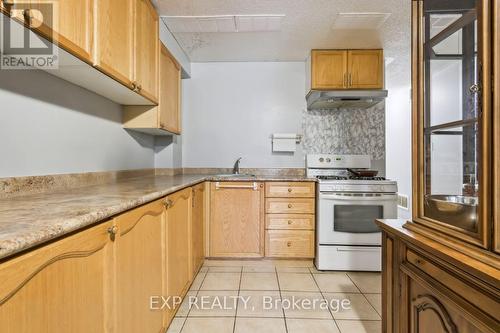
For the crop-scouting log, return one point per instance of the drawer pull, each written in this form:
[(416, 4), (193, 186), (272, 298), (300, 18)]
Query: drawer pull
[(112, 231), (288, 244), (289, 190), (290, 222), (290, 205), (419, 261)]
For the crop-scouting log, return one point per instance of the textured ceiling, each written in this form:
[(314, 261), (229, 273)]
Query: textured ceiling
[(307, 25)]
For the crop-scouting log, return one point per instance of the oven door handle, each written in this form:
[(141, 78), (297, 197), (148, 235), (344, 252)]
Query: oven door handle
[(358, 198), (358, 249)]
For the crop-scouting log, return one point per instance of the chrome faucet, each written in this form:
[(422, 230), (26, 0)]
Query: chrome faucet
[(236, 167)]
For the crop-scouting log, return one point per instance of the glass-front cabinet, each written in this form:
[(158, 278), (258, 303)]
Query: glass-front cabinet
[(452, 118)]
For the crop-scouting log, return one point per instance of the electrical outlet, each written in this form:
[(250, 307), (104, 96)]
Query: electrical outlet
[(403, 201)]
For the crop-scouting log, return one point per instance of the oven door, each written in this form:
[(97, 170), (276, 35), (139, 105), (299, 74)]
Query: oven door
[(349, 218)]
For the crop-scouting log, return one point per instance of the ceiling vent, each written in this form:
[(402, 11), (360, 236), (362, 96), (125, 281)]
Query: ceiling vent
[(360, 21), (223, 23)]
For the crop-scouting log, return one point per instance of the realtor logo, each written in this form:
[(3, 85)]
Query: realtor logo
[(21, 47)]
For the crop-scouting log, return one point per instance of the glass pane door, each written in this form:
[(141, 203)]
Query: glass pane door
[(452, 110)]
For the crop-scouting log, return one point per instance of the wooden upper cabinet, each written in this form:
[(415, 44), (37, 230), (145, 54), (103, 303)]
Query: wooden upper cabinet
[(237, 219), (329, 69), (169, 115), (60, 287), (146, 50), (366, 69), (346, 69), (140, 268), (69, 23), (166, 116), (114, 39)]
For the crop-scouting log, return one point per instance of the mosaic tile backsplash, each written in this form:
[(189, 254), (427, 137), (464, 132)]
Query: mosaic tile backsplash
[(343, 131)]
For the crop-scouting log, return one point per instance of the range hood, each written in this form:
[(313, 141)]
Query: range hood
[(346, 99)]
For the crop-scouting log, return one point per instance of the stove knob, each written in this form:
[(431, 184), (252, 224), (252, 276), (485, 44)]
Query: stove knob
[(328, 160), (382, 188), (321, 159)]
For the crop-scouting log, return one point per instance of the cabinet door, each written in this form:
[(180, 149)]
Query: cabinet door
[(430, 312), (237, 219), (178, 243), (170, 93), (146, 49), (60, 287), (496, 123), (114, 39), (366, 69), (329, 69), (139, 268), (69, 23), (197, 222)]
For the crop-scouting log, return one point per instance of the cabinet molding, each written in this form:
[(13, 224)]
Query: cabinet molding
[(424, 303)]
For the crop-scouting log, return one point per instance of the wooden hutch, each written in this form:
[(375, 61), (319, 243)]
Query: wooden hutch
[(441, 270)]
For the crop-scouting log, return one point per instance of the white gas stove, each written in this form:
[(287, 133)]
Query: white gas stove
[(348, 204)]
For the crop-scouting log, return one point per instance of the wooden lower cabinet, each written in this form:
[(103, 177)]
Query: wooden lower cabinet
[(139, 268), (426, 291), (178, 251), (197, 227), (290, 243), (290, 219), (61, 287), (236, 219)]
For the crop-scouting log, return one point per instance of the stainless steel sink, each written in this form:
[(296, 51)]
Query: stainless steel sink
[(457, 210)]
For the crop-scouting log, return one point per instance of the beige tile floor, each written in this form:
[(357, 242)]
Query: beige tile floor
[(279, 280)]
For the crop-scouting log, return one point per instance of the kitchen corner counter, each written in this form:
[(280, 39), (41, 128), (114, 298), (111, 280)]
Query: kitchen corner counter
[(27, 221)]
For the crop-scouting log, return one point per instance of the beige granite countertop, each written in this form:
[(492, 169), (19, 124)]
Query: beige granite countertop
[(30, 220)]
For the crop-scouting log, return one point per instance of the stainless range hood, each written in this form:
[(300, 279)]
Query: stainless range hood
[(345, 99)]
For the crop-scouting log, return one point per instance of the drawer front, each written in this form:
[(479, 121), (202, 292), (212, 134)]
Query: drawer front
[(290, 190), (290, 206), (290, 221), (456, 284), (290, 243)]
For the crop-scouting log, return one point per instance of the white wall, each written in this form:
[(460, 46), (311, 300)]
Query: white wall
[(398, 141), (50, 126), (233, 108)]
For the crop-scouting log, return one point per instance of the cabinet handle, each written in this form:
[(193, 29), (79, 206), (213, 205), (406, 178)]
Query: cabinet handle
[(290, 222), (134, 86), (288, 244), (254, 186), (350, 80), (289, 190), (290, 205), (345, 80), (168, 203), (112, 231)]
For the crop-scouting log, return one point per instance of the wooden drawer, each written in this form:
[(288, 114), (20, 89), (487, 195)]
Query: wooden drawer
[(290, 189), (456, 284), (290, 243), (290, 206), (290, 221)]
